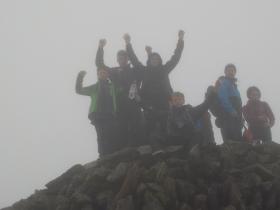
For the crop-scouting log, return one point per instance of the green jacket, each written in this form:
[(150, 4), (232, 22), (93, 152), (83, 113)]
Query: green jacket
[(92, 91)]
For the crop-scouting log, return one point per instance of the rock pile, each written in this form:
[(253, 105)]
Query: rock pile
[(232, 176)]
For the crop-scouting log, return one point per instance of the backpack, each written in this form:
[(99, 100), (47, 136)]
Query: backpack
[(215, 107)]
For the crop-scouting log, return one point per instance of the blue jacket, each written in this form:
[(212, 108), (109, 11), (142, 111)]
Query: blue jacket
[(229, 95)]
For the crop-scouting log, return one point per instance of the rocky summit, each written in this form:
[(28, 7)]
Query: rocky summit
[(232, 176)]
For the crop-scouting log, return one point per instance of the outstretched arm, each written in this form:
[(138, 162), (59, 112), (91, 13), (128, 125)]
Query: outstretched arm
[(131, 54), (171, 64), (99, 59), (79, 85)]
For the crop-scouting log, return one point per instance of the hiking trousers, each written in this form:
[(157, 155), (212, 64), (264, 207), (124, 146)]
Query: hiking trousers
[(231, 128)]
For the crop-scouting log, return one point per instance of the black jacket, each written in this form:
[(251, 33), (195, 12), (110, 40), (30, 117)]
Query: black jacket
[(182, 120), (122, 78), (156, 88)]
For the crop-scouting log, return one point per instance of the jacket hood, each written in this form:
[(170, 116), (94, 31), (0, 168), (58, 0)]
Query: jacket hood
[(149, 59)]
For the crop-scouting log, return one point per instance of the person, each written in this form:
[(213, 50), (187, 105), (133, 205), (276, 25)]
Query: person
[(128, 80), (204, 130), (102, 111), (230, 119), (258, 115), (183, 121), (156, 89)]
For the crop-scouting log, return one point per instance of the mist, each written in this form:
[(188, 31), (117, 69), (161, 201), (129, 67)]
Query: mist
[(45, 43)]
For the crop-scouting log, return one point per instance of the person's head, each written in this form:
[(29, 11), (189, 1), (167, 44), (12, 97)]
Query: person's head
[(177, 99), (254, 93), (122, 58), (102, 73), (155, 60), (230, 71)]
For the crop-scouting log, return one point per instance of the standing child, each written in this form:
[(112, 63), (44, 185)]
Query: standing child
[(183, 121), (259, 116), (102, 109)]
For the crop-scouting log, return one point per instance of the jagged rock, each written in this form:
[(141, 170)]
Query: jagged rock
[(118, 173), (261, 171), (125, 204), (145, 150), (65, 179), (232, 176)]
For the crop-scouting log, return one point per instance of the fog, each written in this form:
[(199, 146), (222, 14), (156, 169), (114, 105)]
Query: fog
[(45, 43)]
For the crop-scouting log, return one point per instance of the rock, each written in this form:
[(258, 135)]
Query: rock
[(151, 202), (65, 179), (230, 207), (200, 202), (125, 204), (264, 173), (173, 149), (145, 150), (118, 173), (232, 176)]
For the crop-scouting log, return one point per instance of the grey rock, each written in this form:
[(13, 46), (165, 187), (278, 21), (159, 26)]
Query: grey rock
[(118, 173)]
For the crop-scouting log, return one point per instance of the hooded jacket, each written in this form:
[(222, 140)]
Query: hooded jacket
[(255, 109), (103, 96), (156, 88), (229, 96)]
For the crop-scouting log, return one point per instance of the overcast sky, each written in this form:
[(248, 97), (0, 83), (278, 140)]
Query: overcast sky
[(45, 43)]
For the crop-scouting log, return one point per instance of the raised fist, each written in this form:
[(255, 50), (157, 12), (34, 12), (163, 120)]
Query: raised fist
[(148, 49), (181, 34), (127, 38), (102, 43), (82, 73)]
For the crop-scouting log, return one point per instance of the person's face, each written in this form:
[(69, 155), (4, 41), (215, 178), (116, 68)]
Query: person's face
[(254, 95), (230, 72), (122, 60), (178, 101), (103, 74), (155, 60)]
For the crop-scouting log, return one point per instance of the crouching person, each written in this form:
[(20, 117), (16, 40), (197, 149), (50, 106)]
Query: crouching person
[(183, 120), (258, 115), (102, 110)]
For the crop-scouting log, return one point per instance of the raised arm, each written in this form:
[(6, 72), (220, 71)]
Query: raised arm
[(99, 59), (149, 51), (171, 64), (79, 85), (131, 54)]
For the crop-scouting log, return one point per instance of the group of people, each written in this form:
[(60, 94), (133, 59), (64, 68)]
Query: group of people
[(134, 104)]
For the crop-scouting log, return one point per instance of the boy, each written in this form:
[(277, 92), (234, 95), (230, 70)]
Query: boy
[(102, 112), (230, 121), (183, 121), (259, 116)]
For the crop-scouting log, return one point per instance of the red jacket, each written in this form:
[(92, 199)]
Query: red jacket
[(258, 114)]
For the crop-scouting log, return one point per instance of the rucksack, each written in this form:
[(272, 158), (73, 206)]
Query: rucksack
[(215, 107)]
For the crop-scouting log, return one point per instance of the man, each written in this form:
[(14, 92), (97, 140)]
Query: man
[(128, 80), (231, 121), (103, 108), (156, 88)]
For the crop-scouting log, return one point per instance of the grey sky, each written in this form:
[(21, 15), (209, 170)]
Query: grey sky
[(45, 43)]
